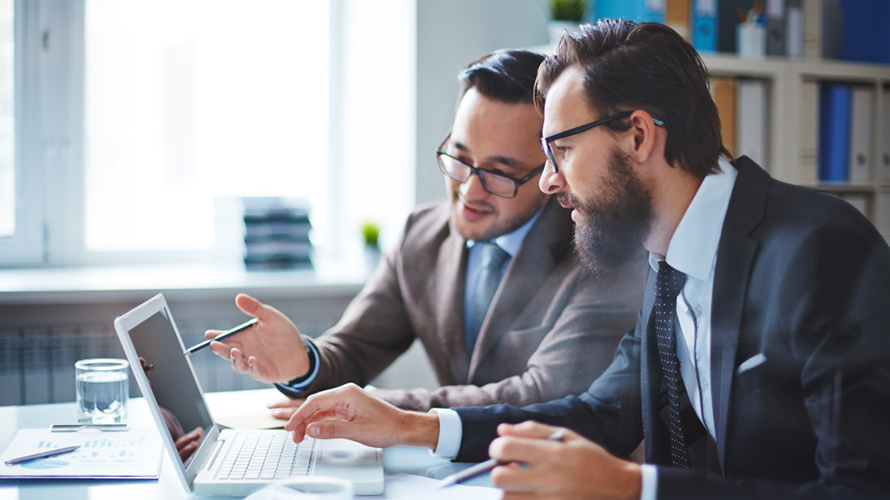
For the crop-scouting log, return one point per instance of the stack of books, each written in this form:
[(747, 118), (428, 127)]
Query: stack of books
[(276, 233)]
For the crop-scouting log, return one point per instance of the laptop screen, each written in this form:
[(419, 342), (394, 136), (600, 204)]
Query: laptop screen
[(169, 374)]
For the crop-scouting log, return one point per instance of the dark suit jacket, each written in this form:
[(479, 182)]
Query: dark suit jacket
[(802, 279), (548, 310)]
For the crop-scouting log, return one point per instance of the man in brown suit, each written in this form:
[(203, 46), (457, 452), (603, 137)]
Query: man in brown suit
[(551, 327)]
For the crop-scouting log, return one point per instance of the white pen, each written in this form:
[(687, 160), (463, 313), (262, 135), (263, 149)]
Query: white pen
[(491, 463)]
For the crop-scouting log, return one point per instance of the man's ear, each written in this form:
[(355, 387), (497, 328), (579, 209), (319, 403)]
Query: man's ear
[(645, 134)]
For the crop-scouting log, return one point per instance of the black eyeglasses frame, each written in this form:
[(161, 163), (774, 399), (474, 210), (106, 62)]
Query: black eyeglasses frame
[(545, 141), (483, 173)]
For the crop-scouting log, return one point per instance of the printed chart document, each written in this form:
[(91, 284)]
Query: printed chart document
[(134, 454)]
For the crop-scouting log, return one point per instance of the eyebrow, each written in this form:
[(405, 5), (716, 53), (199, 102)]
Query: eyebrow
[(503, 160)]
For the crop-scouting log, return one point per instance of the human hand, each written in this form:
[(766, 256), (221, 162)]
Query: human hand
[(270, 351), (351, 412), (285, 408), (187, 444), (575, 468)]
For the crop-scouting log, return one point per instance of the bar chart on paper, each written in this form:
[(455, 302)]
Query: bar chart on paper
[(134, 454)]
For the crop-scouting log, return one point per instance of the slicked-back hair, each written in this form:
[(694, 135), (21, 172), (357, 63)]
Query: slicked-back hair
[(648, 66), (504, 75)]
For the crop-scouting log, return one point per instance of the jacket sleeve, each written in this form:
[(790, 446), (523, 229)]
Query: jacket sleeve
[(575, 345), (608, 412)]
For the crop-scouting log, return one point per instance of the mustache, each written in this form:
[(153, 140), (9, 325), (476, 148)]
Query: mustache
[(474, 204), (566, 199)]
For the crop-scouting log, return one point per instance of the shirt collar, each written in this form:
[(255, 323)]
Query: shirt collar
[(693, 247), (511, 241)]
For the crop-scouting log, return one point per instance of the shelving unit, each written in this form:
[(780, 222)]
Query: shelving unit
[(789, 120)]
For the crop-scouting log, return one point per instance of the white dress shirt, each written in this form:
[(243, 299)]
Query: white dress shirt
[(692, 251)]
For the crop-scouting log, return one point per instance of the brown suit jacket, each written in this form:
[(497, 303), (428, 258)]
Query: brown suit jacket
[(551, 329)]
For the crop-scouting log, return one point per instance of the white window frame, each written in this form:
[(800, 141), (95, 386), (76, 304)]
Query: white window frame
[(49, 136)]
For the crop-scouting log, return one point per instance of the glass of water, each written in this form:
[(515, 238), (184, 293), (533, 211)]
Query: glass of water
[(103, 388)]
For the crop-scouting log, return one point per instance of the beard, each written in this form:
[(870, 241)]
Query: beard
[(612, 227)]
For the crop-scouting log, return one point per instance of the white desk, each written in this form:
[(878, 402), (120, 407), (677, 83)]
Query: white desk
[(168, 487)]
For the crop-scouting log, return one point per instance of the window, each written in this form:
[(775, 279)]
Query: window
[(192, 104), (7, 136), (129, 131)]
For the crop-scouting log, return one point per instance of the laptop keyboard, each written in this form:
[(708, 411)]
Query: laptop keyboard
[(266, 455)]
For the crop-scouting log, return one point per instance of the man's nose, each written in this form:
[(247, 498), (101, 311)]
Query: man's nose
[(472, 189), (551, 183)]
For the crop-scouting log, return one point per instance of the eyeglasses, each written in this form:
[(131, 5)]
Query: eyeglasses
[(545, 142), (495, 183)]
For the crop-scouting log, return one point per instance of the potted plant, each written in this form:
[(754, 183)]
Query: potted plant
[(565, 15), (370, 232)]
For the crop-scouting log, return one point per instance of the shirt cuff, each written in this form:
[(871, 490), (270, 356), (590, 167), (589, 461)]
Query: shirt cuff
[(299, 385), (450, 433), (650, 482)]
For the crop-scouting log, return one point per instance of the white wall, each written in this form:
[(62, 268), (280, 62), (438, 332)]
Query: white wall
[(450, 35)]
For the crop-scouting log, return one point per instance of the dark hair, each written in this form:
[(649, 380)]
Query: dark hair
[(646, 66), (504, 75)]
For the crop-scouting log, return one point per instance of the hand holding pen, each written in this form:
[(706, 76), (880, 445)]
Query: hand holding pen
[(491, 463), (573, 468), (272, 350)]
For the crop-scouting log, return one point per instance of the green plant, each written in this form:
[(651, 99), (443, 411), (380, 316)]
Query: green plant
[(370, 233), (568, 10)]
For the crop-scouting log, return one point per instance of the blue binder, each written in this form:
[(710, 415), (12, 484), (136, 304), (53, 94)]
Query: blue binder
[(863, 32), (704, 25), (632, 10), (834, 132)]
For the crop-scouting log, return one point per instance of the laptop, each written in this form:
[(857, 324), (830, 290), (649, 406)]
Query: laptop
[(228, 462)]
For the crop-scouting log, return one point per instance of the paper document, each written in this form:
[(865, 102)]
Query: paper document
[(409, 486), (134, 454)]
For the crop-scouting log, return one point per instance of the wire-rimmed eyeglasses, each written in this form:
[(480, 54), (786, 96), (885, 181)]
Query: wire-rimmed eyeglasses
[(495, 183)]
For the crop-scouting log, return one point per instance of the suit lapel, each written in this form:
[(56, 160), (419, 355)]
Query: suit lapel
[(526, 273), (451, 275), (735, 258), (650, 372)]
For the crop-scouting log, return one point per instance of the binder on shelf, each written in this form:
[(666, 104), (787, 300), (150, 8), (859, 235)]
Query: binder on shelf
[(831, 28), (727, 20), (723, 90), (704, 25), (751, 128), (809, 133), (812, 34), (794, 28), (634, 10), (276, 233), (834, 132), (863, 31), (776, 43), (885, 143), (676, 14), (862, 105)]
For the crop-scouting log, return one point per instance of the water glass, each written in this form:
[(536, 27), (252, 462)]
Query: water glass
[(103, 389)]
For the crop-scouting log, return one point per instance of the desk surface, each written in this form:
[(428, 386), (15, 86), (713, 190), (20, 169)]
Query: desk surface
[(396, 460)]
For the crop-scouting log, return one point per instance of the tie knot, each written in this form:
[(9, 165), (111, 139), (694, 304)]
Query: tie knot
[(669, 281), (493, 256)]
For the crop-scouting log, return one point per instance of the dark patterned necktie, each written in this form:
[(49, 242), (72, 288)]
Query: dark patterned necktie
[(668, 284), (493, 258)]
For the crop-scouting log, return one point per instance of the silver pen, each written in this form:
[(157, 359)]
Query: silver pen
[(42, 454), (491, 463)]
